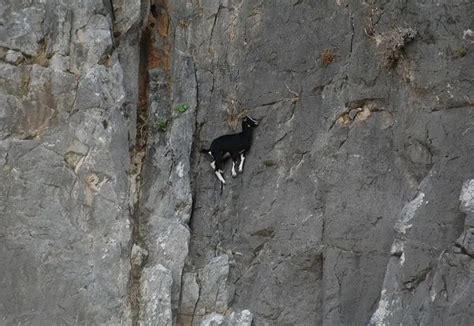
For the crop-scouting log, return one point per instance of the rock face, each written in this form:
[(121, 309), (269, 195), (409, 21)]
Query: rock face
[(64, 227), (355, 205), (351, 191)]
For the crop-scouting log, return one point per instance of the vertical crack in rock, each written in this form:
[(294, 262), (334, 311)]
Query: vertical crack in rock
[(216, 16), (197, 301), (352, 35), (138, 156), (154, 80)]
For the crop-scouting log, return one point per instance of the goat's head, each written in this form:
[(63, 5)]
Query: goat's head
[(249, 122)]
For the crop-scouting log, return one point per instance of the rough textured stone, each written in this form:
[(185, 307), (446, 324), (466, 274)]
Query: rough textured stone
[(214, 294), (166, 200), (420, 275), (466, 242), (343, 146), (189, 298), (156, 294), (243, 318), (21, 27), (138, 255), (127, 14), (65, 227), (14, 57), (467, 197), (348, 209)]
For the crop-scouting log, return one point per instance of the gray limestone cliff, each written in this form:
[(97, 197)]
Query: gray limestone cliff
[(356, 203)]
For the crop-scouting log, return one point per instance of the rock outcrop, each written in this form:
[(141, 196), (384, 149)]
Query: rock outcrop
[(355, 205), (65, 224)]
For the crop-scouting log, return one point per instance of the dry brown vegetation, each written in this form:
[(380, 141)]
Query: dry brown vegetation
[(328, 56)]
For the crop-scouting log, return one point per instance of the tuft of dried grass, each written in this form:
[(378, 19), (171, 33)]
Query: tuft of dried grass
[(328, 56), (391, 44), (233, 118)]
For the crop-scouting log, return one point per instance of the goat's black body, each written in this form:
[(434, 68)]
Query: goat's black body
[(236, 145)]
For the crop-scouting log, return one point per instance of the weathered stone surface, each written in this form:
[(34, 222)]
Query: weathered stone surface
[(138, 255), (21, 27), (14, 57), (189, 298), (348, 208), (214, 294), (243, 318), (156, 296), (171, 245), (343, 145), (420, 275), (127, 14), (467, 197), (166, 200), (466, 242), (65, 227)]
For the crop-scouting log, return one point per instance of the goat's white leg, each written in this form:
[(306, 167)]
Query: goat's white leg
[(234, 174), (219, 176), (241, 165), (213, 165)]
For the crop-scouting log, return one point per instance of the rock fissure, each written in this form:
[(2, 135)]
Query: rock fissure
[(138, 158)]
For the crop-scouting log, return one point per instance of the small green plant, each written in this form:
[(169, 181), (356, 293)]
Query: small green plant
[(162, 125), (182, 108), (460, 52), (24, 85), (269, 163)]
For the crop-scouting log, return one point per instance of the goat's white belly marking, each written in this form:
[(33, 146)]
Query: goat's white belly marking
[(241, 165)]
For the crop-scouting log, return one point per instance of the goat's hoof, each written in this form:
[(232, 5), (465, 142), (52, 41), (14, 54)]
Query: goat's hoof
[(234, 175), (241, 171)]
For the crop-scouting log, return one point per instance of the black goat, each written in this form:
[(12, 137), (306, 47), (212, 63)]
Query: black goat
[(234, 145)]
